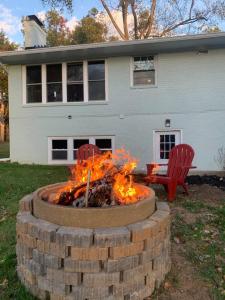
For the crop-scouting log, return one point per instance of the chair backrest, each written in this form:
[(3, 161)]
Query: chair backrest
[(180, 160), (86, 151)]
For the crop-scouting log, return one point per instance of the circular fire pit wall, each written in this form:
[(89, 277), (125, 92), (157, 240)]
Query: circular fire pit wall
[(69, 263)]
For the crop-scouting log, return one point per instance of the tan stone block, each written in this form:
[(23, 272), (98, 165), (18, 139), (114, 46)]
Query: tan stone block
[(27, 240), (26, 203), (70, 236), (89, 253), (61, 276), (109, 237), (52, 248), (89, 292), (100, 279), (127, 288), (126, 250), (142, 230), (162, 218), (135, 273), (121, 264), (81, 266)]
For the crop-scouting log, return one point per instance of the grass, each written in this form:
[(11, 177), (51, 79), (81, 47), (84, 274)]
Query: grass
[(204, 243), (15, 182), (4, 150)]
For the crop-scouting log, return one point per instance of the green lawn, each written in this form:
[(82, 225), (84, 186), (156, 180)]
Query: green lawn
[(15, 182), (4, 150)]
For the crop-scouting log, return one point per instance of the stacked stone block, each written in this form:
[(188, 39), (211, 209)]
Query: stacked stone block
[(65, 263)]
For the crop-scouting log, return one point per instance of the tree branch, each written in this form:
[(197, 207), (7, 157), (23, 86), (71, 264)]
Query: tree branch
[(112, 19), (150, 19), (132, 3), (184, 22), (124, 5), (191, 8)]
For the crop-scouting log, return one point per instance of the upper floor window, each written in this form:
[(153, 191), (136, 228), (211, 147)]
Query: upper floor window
[(66, 82), (96, 80), (54, 83), (143, 71), (75, 82), (33, 84)]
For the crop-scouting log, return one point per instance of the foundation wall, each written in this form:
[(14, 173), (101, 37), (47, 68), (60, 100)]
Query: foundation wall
[(65, 263)]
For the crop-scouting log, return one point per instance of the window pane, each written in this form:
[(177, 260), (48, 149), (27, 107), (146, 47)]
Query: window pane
[(54, 73), (172, 138), (97, 90), (75, 92), (59, 144), (61, 155), (54, 92), (96, 70), (75, 72), (34, 94), (167, 138), (144, 77), (78, 143), (144, 63), (33, 74), (103, 143), (161, 138)]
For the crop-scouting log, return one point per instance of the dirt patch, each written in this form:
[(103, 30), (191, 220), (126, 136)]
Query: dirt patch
[(198, 268)]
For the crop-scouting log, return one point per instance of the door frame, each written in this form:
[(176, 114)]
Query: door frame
[(155, 148)]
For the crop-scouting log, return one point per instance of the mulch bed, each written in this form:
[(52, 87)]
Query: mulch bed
[(212, 180)]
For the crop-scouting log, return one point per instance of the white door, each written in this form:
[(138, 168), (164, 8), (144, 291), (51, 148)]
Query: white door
[(163, 142)]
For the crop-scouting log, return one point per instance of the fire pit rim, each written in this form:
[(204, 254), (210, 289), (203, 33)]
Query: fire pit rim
[(113, 216)]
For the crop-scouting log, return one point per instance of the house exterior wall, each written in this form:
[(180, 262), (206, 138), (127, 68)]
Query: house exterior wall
[(190, 92)]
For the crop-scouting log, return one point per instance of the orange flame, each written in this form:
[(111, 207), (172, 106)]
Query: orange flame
[(119, 166)]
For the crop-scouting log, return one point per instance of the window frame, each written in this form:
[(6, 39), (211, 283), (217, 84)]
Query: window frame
[(156, 147), (143, 86), (64, 85), (70, 148)]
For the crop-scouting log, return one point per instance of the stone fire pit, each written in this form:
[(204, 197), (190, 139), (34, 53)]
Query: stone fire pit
[(66, 253)]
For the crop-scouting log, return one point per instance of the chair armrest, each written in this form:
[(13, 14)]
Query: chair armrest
[(189, 167)]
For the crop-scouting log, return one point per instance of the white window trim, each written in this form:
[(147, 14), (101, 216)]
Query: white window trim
[(70, 160), (155, 145), (144, 86), (64, 86)]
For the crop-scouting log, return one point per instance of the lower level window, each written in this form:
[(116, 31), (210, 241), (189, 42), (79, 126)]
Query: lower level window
[(64, 150), (164, 141), (59, 149)]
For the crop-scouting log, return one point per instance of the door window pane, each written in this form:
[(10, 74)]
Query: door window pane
[(167, 142), (54, 83)]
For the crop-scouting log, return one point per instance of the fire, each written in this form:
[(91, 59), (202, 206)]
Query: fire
[(116, 167)]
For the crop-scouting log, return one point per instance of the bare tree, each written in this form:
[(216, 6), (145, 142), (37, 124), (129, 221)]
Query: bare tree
[(159, 18)]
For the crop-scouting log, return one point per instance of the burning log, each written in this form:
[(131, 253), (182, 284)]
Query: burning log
[(100, 182)]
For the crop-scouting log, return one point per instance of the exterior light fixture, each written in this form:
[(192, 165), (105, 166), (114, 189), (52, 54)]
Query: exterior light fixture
[(167, 123)]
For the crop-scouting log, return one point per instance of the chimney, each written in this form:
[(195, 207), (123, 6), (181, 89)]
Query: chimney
[(34, 33)]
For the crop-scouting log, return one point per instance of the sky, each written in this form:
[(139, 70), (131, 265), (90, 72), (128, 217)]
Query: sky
[(12, 11)]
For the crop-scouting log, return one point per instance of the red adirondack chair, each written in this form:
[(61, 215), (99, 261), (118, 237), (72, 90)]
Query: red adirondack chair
[(86, 151), (179, 164)]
